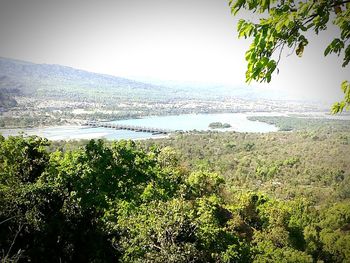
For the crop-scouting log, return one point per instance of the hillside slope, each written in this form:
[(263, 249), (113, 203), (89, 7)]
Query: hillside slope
[(67, 83), (56, 81)]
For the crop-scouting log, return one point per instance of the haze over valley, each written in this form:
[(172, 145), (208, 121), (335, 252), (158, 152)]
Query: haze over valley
[(43, 94)]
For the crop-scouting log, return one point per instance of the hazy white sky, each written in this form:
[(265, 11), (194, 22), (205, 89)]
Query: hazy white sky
[(183, 40)]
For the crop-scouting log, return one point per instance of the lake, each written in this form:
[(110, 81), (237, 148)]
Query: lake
[(184, 122)]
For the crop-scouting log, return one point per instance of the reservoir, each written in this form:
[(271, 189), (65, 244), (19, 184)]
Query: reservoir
[(184, 122)]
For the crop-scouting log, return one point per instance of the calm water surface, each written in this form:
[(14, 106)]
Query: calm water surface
[(185, 122), (200, 122)]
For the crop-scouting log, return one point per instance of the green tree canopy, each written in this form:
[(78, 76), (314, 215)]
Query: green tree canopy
[(283, 24), (120, 203)]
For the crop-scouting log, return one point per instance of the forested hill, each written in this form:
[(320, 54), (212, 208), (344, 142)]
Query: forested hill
[(61, 81), (6, 100)]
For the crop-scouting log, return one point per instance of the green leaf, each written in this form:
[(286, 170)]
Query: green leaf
[(345, 86), (299, 51), (346, 57), (327, 50)]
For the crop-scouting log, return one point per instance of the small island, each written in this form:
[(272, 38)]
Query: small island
[(219, 125)]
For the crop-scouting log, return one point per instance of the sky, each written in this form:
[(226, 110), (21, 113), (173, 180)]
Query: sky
[(180, 40)]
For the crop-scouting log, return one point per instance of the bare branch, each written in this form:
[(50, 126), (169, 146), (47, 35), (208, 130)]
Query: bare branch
[(13, 242)]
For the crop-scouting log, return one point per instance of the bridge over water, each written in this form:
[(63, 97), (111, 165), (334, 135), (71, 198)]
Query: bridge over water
[(154, 131)]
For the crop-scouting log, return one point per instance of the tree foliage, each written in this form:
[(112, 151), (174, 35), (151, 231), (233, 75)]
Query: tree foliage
[(283, 24), (121, 203)]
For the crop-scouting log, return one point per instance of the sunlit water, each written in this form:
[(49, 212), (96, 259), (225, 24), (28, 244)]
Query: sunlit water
[(184, 122), (200, 122)]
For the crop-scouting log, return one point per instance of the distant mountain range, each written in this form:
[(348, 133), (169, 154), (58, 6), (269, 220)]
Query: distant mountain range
[(55, 81), (66, 83)]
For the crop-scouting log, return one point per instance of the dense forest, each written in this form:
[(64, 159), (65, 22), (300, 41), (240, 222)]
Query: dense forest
[(198, 197)]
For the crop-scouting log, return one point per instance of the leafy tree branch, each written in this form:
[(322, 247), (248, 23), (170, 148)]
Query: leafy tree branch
[(284, 24)]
